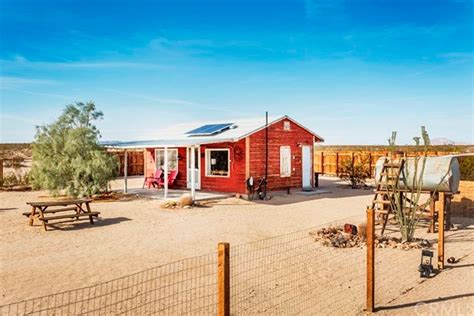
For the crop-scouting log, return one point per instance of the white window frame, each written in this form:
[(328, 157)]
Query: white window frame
[(286, 126), (207, 162), (285, 175), (170, 149)]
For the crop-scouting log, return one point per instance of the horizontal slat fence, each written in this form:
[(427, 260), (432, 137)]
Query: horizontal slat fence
[(331, 162)]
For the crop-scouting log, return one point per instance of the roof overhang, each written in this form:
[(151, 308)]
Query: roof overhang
[(164, 143)]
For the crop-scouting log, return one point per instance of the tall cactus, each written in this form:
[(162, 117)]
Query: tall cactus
[(406, 202)]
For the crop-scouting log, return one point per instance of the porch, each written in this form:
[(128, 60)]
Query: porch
[(135, 183)]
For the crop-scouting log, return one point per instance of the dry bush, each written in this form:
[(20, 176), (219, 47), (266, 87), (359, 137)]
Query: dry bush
[(355, 173)]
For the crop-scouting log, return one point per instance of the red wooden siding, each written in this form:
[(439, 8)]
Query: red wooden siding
[(235, 183), (181, 179), (277, 137)]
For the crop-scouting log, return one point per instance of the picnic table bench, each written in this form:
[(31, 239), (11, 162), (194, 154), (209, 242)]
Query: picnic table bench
[(77, 208)]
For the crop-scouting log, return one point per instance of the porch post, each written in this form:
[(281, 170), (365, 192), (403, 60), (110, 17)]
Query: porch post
[(125, 171), (193, 176), (165, 168)]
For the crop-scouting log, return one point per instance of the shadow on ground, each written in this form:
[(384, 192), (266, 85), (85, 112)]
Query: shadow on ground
[(8, 209), (84, 224), (322, 192), (463, 208), (435, 300)]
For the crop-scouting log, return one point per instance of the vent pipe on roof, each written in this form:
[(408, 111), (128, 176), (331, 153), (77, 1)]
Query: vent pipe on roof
[(266, 153)]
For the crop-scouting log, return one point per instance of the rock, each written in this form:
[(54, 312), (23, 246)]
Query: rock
[(170, 204), (186, 200)]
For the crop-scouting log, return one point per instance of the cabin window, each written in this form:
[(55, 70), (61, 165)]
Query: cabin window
[(217, 162), (172, 159), (285, 161), (286, 126)]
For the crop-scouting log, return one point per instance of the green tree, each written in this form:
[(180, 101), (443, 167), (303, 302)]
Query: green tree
[(67, 156)]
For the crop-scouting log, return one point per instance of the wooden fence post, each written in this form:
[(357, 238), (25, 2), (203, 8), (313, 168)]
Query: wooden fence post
[(337, 164), (370, 230), (442, 200), (370, 165), (223, 279), (322, 162), (125, 172), (1, 170)]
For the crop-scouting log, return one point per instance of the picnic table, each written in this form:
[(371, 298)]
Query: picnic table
[(74, 209)]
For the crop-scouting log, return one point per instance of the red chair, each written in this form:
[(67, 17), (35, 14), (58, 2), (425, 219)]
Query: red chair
[(153, 180), (171, 179)]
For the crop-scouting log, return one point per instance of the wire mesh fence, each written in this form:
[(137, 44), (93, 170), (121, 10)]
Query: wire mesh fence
[(397, 271), (293, 274), (287, 274), (182, 287)]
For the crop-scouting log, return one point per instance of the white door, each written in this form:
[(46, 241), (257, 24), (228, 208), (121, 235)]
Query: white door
[(197, 165), (306, 165)]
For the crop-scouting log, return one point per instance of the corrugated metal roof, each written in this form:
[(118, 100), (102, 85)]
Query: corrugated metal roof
[(161, 143), (176, 137)]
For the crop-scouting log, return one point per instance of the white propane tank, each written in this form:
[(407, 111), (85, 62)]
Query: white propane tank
[(441, 173)]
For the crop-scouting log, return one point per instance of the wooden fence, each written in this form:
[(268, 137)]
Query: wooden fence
[(135, 162), (331, 162)]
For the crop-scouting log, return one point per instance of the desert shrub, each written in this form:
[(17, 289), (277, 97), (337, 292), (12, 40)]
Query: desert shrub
[(67, 156), (355, 173), (466, 166), (15, 162), (9, 180), (16, 178)]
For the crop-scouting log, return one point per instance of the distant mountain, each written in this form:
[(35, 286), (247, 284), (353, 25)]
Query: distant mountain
[(445, 141)]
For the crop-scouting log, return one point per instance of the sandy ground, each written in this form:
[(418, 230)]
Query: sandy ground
[(136, 234)]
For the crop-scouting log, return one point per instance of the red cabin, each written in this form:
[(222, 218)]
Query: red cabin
[(226, 155)]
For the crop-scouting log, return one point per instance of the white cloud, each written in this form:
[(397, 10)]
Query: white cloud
[(54, 95), (10, 81), (9, 117), (22, 62), (170, 101)]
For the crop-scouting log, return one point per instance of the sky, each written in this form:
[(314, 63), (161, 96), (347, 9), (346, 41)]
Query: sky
[(352, 71)]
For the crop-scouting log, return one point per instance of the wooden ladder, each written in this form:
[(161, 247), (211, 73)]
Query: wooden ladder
[(384, 196)]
